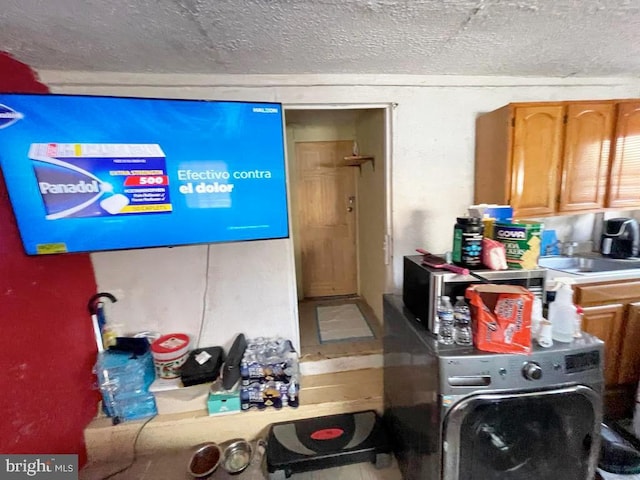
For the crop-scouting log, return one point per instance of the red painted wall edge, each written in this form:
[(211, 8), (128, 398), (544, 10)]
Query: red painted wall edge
[(47, 349)]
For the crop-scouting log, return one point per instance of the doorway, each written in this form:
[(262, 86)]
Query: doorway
[(340, 224)]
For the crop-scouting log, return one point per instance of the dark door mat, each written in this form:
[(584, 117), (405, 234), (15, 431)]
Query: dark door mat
[(326, 442)]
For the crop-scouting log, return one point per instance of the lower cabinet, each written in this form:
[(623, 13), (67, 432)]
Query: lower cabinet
[(630, 352), (612, 313), (605, 322)]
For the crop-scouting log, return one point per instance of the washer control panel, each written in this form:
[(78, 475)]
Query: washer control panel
[(580, 362), (538, 370)]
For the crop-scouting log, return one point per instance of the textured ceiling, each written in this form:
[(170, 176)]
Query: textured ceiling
[(559, 38)]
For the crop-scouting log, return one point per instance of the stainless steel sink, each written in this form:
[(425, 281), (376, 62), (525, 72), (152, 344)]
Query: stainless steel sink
[(582, 265)]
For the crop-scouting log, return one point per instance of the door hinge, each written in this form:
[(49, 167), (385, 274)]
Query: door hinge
[(388, 249), (513, 121), (565, 119)]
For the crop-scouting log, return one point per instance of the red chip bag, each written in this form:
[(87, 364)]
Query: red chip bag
[(501, 317)]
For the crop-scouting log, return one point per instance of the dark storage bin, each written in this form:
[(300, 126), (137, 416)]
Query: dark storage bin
[(193, 373)]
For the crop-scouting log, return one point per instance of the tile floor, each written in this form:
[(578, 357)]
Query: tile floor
[(173, 466), (613, 476)]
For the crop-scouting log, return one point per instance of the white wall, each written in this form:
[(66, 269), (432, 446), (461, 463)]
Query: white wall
[(372, 197), (431, 165), (210, 292), (584, 229)]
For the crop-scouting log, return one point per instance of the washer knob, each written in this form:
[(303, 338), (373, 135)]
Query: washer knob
[(532, 371)]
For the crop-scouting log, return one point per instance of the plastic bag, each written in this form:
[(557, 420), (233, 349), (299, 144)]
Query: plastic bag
[(501, 316), (494, 254)]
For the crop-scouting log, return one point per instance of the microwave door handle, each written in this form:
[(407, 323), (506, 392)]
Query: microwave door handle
[(479, 277)]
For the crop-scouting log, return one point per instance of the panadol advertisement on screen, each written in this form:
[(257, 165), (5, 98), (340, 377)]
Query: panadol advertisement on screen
[(102, 173)]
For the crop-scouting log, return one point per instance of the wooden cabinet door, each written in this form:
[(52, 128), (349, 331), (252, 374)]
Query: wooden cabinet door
[(605, 322), (624, 179), (536, 155), (629, 371), (585, 167)]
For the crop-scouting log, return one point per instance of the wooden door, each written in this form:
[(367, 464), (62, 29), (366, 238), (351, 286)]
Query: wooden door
[(585, 167), (624, 179), (326, 193), (536, 155), (605, 322), (629, 372)]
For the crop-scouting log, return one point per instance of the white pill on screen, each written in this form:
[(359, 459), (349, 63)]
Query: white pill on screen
[(115, 203)]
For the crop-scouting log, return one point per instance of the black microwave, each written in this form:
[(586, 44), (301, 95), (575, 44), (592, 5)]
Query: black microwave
[(423, 285)]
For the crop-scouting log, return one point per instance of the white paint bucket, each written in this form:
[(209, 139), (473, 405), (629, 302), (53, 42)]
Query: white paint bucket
[(169, 353)]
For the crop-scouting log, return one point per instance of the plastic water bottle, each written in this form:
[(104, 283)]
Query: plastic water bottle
[(562, 312), (445, 316), (462, 322)]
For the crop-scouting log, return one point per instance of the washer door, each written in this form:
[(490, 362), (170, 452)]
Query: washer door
[(544, 435)]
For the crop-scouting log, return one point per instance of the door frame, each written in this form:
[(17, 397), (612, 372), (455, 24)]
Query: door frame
[(389, 111)]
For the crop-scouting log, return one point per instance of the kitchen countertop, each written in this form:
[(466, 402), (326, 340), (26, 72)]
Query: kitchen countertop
[(632, 273)]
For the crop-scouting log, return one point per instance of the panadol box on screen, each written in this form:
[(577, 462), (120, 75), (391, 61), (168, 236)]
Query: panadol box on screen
[(89, 173), (91, 180)]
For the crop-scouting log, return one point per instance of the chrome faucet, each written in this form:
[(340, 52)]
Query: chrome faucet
[(567, 248), (548, 249)]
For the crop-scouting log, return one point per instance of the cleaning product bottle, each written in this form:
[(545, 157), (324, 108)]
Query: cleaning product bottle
[(536, 318), (562, 312)]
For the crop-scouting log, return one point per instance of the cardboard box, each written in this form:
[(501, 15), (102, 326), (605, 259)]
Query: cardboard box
[(223, 402), (521, 239), (172, 397)]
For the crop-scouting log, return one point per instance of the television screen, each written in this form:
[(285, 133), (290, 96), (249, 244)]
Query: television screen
[(90, 173)]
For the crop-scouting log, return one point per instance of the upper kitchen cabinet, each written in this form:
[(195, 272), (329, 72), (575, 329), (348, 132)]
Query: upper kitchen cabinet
[(544, 158), (585, 163), (624, 182)]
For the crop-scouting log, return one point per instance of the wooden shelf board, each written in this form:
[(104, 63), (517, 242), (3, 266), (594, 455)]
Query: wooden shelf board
[(359, 160)]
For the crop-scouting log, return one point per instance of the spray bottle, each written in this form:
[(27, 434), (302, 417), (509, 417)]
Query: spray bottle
[(562, 311)]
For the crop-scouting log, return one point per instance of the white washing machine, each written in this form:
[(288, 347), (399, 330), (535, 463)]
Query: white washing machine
[(456, 413)]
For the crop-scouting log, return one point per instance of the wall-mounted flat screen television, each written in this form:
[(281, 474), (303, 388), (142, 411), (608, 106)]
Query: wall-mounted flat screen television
[(90, 173)]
